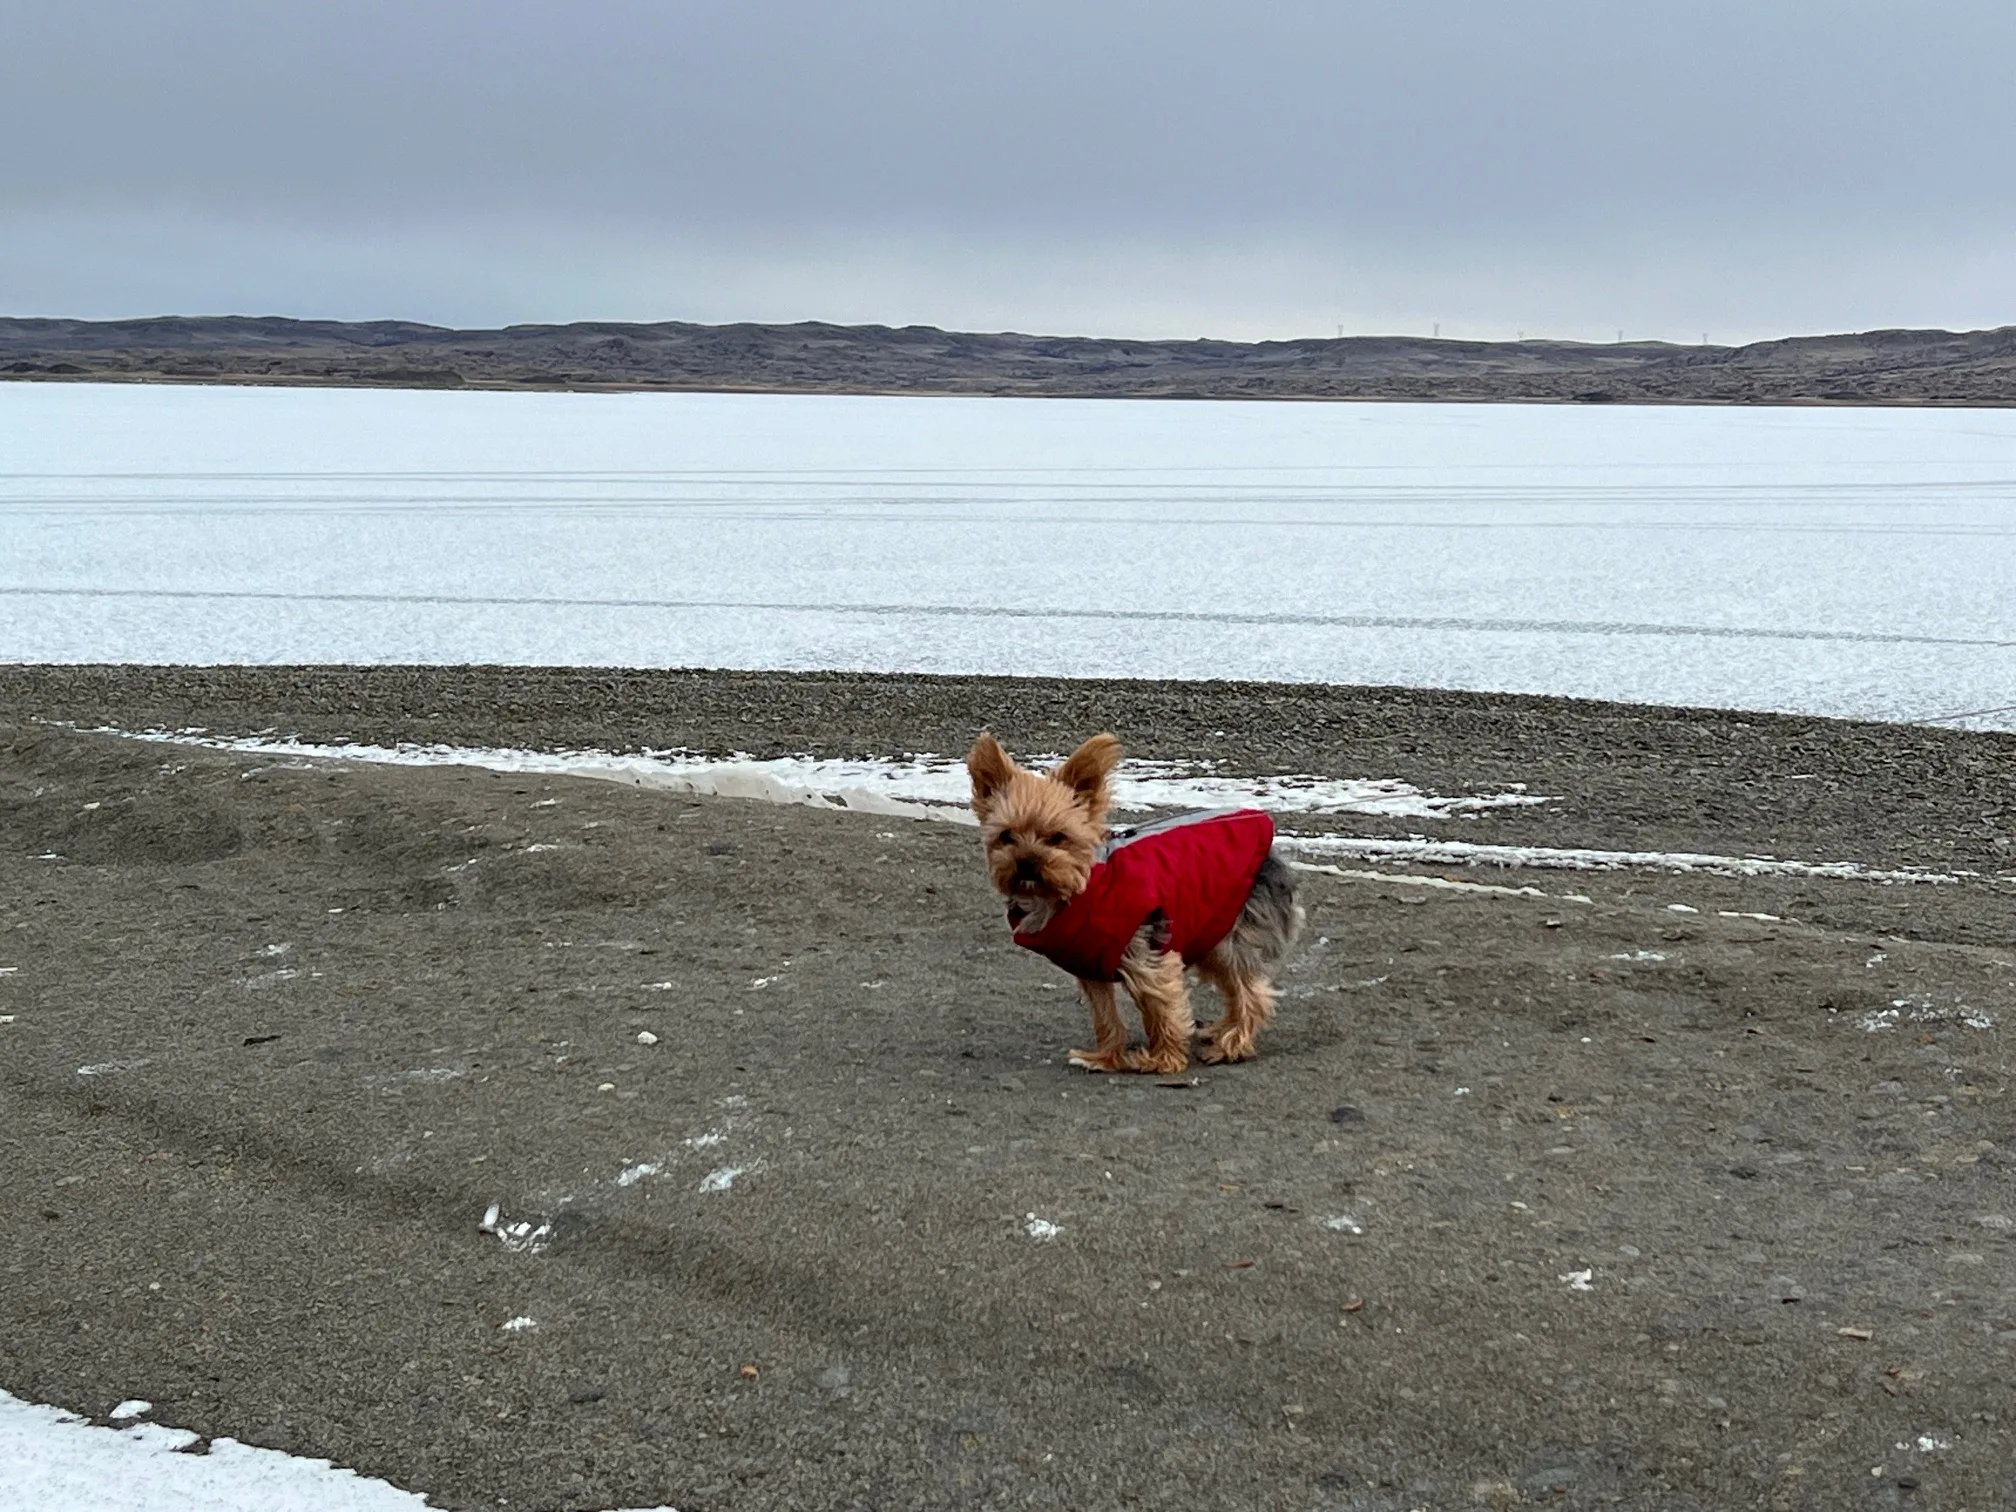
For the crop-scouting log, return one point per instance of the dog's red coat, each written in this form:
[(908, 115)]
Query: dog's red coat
[(1197, 871)]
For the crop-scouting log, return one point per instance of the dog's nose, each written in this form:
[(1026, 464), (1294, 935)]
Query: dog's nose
[(1026, 869)]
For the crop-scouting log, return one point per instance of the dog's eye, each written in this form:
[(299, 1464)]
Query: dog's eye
[(1006, 837), (1056, 839)]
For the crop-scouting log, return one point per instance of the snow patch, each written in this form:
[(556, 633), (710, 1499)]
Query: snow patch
[(937, 787), (1403, 879), (916, 787), (1922, 1010), (1424, 851), (522, 1236), (57, 1459)]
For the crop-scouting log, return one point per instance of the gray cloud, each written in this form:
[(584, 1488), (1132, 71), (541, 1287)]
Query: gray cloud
[(1168, 168)]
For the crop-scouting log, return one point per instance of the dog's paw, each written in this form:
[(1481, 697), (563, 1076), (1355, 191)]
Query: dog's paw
[(1092, 1060), (1218, 1052), (1166, 1063)]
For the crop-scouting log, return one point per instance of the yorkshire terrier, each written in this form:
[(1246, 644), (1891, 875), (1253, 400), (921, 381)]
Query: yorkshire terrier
[(1137, 906)]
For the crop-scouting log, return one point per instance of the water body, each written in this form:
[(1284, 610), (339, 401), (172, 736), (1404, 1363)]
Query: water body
[(1836, 561)]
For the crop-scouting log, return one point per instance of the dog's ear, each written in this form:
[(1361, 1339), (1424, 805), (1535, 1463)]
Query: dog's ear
[(990, 769), (1086, 769)]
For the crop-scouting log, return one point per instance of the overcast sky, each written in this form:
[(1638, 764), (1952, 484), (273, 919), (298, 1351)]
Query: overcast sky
[(1739, 168)]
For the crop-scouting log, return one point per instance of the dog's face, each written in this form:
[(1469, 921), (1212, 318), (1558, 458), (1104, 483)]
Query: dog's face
[(1041, 830)]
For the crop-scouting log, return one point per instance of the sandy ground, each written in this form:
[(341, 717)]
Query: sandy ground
[(1528, 1200)]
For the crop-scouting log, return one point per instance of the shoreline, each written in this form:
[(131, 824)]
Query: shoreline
[(503, 386)]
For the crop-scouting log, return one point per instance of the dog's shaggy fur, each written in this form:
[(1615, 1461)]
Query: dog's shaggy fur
[(1042, 833)]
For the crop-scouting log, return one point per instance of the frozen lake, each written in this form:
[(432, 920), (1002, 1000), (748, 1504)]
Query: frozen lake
[(1837, 561)]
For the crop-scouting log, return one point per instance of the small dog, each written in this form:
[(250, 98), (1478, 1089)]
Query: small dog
[(1137, 907)]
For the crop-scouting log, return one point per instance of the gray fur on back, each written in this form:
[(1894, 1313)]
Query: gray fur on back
[(1267, 925)]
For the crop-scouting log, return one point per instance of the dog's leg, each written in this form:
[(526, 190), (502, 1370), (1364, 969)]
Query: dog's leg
[(1242, 967), (1109, 1050), (1249, 1003), (1154, 979)]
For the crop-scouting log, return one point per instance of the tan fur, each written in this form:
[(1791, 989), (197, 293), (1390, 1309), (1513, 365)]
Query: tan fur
[(1249, 1003), (1040, 833), (1109, 1031)]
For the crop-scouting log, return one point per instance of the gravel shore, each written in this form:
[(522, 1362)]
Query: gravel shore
[(1619, 1188)]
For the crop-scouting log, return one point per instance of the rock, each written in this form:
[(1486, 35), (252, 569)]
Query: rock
[(1551, 1480)]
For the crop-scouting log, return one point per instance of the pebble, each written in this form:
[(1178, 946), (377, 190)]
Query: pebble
[(1552, 1481), (646, 1037)]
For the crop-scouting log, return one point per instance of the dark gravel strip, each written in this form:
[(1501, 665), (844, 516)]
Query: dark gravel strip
[(1626, 776)]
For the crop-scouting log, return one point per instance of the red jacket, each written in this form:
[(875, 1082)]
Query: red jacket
[(1195, 870)]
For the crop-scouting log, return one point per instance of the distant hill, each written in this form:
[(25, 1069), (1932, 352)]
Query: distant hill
[(1875, 367)]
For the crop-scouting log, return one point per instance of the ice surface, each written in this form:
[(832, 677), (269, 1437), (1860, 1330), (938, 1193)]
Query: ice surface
[(1830, 560)]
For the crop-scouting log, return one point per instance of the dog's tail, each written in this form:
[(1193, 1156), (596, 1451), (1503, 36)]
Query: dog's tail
[(1269, 923)]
